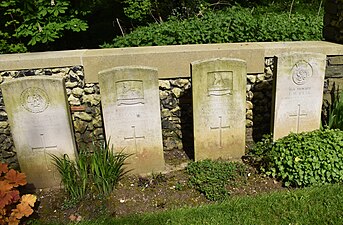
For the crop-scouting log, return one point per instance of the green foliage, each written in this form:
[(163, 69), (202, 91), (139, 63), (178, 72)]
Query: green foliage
[(74, 182), (137, 9), (30, 23), (106, 168), (303, 159), (235, 24), (144, 11), (99, 171), (334, 118), (211, 177)]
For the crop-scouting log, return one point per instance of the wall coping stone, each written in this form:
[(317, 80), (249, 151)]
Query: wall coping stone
[(171, 61), (324, 47)]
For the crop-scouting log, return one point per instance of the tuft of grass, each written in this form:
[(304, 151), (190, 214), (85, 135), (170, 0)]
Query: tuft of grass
[(106, 168), (72, 176), (99, 170), (335, 118)]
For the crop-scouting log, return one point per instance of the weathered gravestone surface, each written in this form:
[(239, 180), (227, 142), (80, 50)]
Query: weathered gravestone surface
[(219, 108), (131, 112), (298, 93), (40, 124)]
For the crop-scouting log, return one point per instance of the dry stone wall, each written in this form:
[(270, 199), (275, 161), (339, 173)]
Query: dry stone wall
[(175, 103)]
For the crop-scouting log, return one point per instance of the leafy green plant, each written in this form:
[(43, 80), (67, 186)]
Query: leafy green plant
[(178, 186), (30, 23), (99, 170), (211, 177), (235, 24), (303, 159), (106, 168), (13, 206), (138, 9)]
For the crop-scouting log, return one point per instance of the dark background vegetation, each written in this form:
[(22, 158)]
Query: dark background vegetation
[(42, 25)]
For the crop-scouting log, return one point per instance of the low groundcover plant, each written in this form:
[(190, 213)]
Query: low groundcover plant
[(211, 177), (303, 159)]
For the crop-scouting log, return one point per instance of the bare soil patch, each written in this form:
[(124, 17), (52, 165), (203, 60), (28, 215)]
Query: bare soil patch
[(135, 194)]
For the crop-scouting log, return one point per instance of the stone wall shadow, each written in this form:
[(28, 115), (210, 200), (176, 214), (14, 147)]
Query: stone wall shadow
[(187, 131), (262, 110)]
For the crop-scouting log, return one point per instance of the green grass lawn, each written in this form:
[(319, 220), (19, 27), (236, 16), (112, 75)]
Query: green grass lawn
[(316, 205)]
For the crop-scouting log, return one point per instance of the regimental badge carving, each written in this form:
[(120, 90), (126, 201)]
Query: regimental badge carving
[(301, 71), (130, 92), (220, 83), (34, 99)]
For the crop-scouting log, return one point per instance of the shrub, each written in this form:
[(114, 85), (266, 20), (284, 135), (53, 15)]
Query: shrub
[(99, 170), (33, 24), (303, 159), (235, 24), (211, 177), (13, 207)]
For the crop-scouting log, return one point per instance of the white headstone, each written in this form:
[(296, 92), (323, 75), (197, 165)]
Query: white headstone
[(219, 102), (298, 93), (40, 123), (131, 112)]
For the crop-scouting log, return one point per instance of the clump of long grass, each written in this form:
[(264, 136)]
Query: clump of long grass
[(72, 176), (334, 118), (336, 113), (98, 170), (106, 168)]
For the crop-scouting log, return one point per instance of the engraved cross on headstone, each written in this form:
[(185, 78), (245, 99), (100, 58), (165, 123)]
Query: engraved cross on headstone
[(43, 148), (134, 137), (220, 128), (298, 115)]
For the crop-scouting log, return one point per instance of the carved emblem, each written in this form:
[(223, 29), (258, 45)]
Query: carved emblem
[(34, 100), (301, 71), (219, 83), (130, 92)]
